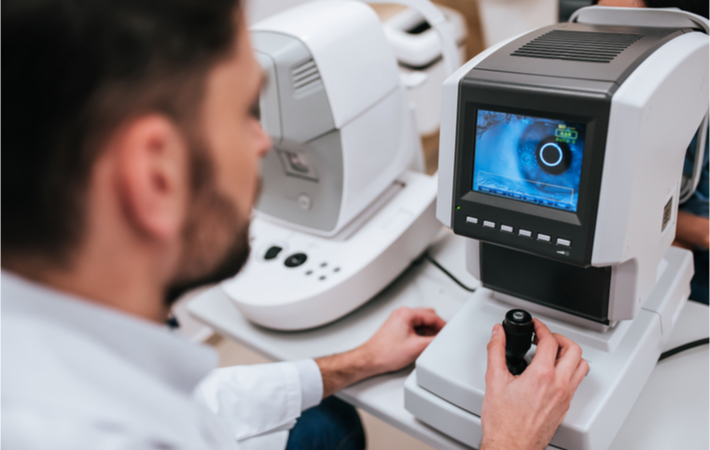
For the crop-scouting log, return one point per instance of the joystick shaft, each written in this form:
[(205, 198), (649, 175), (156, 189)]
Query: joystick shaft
[(519, 329)]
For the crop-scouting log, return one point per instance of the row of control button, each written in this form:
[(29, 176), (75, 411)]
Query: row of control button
[(521, 232), (294, 260)]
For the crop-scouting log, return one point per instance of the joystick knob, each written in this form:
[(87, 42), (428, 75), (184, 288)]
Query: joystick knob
[(518, 328)]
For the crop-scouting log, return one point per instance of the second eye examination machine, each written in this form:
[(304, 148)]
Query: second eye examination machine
[(561, 157)]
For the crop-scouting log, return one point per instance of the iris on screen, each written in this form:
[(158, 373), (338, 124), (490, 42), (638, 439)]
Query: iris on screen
[(530, 159)]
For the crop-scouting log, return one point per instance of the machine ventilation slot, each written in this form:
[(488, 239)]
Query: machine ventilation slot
[(578, 46), (304, 76), (667, 212)]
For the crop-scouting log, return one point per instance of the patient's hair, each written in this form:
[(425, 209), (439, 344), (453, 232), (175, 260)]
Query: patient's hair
[(73, 70)]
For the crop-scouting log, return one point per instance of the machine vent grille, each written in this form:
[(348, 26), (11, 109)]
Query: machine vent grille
[(305, 75), (583, 46), (667, 212)]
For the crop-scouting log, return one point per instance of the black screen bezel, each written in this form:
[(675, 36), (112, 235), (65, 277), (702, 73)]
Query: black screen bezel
[(591, 109), (467, 193)]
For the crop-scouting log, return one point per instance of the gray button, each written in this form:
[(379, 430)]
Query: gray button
[(524, 233), (304, 201), (563, 242), (296, 164), (506, 228), (543, 237), (489, 224), (473, 220), (297, 161)]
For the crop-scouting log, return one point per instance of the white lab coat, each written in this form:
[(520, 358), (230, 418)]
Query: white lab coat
[(76, 375)]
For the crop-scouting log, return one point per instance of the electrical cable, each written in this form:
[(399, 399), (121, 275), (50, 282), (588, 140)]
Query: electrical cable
[(428, 257), (681, 348)]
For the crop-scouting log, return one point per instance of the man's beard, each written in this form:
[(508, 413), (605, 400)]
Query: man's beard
[(215, 236), (199, 263)]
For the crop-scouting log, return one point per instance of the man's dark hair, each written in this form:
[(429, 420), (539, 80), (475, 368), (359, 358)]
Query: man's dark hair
[(73, 70)]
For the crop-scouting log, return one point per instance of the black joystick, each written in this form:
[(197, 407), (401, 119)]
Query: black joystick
[(518, 328)]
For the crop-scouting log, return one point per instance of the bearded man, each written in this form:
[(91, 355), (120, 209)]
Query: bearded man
[(131, 151)]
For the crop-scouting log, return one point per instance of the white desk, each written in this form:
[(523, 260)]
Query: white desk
[(672, 411)]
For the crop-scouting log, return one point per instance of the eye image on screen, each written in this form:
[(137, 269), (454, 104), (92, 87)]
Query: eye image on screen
[(530, 159)]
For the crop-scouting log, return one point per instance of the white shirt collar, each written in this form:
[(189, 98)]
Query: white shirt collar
[(151, 347)]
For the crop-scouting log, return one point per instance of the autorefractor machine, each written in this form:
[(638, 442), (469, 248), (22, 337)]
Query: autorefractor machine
[(344, 207), (561, 157)]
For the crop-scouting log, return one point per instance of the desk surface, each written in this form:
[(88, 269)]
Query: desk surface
[(671, 412)]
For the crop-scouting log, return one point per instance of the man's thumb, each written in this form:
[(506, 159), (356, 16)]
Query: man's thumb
[(496, 352)]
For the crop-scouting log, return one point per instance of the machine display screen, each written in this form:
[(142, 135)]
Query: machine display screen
[(530, 159)]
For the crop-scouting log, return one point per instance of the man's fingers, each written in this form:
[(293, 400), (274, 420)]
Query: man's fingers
[(423, 342), (426, 317), (579, 373), (547, 345), (426, 331), (496, 356), (569, 356)]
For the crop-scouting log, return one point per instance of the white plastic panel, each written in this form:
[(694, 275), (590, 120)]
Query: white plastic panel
[(438, 22), (447, 135), (641, 17), (423, 85), (653, 116), (473, 258), (336, 276), (453, 366), (377, 147), (424, 48), (349, 47)]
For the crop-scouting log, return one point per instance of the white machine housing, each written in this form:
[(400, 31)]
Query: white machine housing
[(447, 388), (651, 120), (336, 112), (334, 276), (339, 216), (633, 227), (418, 49)]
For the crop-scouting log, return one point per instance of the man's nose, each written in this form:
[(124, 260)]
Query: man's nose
[(265, 142)]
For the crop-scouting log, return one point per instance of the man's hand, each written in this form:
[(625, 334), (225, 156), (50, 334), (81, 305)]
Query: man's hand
[(523, 412), (400, 340), (691, 231)]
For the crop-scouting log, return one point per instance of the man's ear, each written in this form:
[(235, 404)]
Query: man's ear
[(152, 176)]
